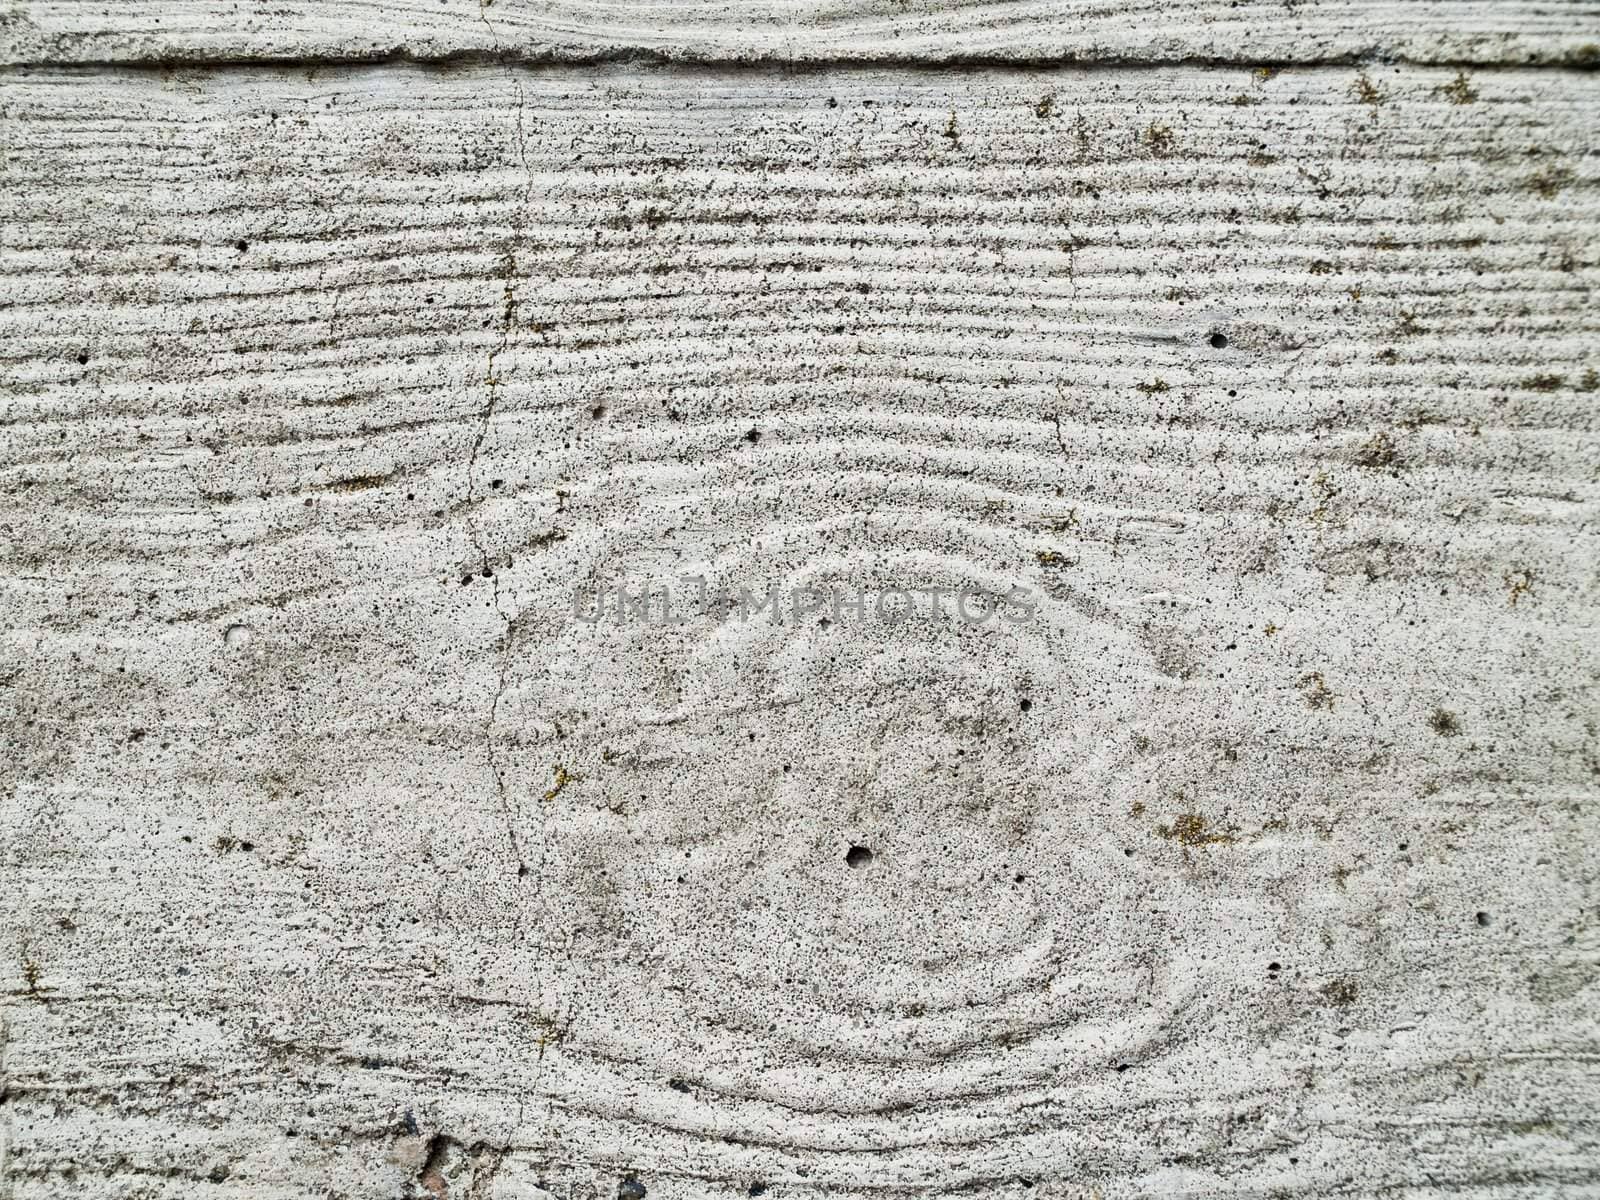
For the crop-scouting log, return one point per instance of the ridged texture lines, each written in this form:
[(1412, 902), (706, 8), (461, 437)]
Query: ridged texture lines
[(1261, 860), (913, 32)]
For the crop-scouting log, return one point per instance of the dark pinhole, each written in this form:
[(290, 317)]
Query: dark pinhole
[(1121, 1067), (1025, 704), (522, 870), (241, 246), (857, 857), (758, 1189), (1219, 340), (598, 411), (497, 484), (83, 360), (677, 1085), (753, 436), (1483, 918)]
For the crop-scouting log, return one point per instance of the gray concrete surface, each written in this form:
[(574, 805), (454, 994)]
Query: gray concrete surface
[(1248, 849), (1255, 32)]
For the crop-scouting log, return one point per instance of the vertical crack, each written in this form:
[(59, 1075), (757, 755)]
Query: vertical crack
[(492, 382)]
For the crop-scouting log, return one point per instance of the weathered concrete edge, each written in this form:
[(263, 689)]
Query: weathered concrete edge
[(1584, 60)]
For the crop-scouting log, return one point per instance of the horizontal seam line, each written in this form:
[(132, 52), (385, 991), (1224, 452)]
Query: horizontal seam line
[(774, 64)]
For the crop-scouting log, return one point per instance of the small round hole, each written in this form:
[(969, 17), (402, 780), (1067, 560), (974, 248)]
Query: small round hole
[(1025, 704), (1219, 341), (857, 857), (1483, 918)]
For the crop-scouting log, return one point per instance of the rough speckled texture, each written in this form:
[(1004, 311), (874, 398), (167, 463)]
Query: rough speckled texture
[(1438, 32), (340, 860)]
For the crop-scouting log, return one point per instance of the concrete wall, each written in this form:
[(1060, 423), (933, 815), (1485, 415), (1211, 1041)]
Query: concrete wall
[(1219, 818)]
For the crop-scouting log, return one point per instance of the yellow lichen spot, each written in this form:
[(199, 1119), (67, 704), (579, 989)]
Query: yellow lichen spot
[(1192, 829), (1316, 692), (1340, 992), (952, 131), (549, 1030), (563, 777), (1520, 584), (1159, 140), (1323, 513), (1550, 182), (1066, 523), (1459, 90), (1367, 92), (1378, 452)]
